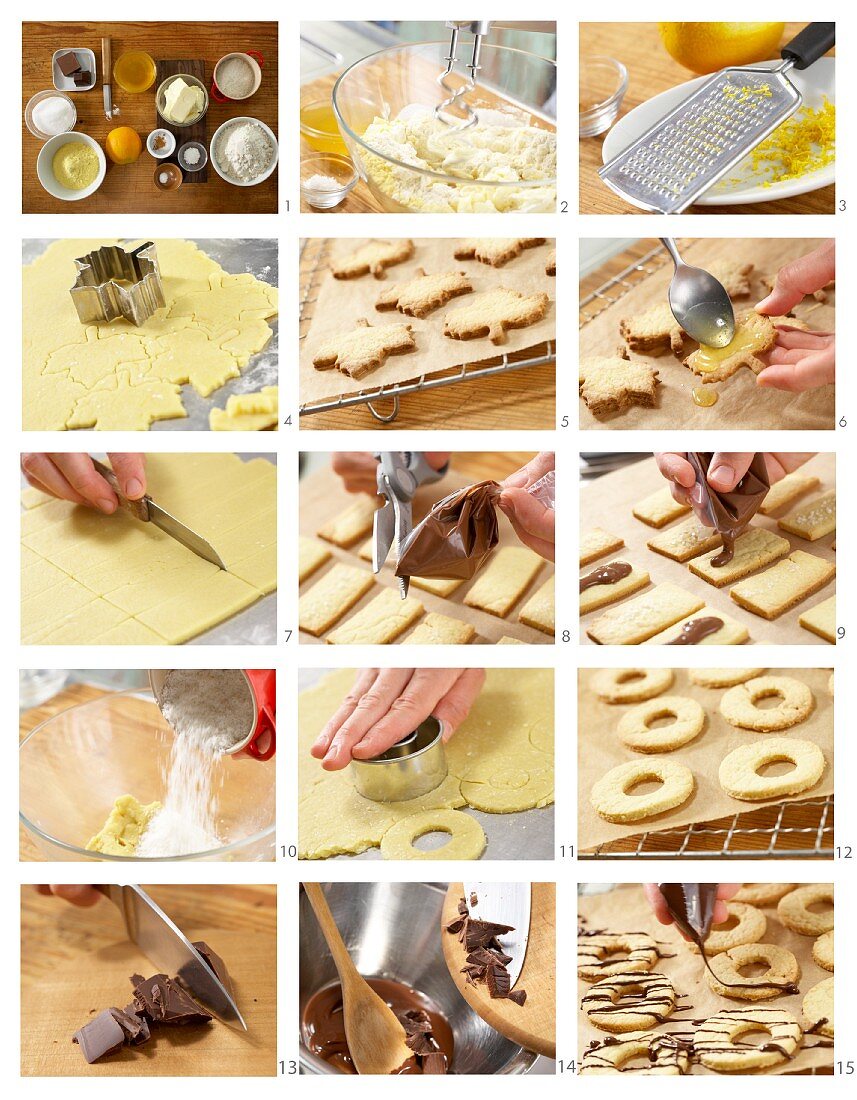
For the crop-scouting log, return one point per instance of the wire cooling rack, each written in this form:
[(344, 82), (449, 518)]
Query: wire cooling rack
[(615, 288), (788, 830), (313, 265)]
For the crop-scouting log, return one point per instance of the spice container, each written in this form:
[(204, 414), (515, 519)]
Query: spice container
[(168, 177), (193, 156), (160, 144), (326, 180), (49, 113), (237, 76), (603, 83)]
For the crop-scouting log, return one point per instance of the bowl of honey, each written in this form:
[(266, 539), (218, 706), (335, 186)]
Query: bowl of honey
[(135, 71)]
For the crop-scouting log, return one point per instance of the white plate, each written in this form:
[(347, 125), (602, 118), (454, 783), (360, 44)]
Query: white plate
[(813, 84), (86, 60)]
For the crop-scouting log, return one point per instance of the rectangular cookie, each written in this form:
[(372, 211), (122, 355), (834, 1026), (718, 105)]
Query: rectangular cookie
[(812, 520), (731, 633), (380, 622), (504, 580), (771, 593), (328, 599), (506, 640), (352, 524), (595, 543), (637, 620), (539, 610), (821, 619), (753, 550), (786, 490), (686, 540), (440, 586), (659, 508), (600, 595), (311, 556), (438, 629)]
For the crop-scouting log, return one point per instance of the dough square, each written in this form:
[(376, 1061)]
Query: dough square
[(38, 574), (812, 520), (508, 575), (754, 549), (352, 524), (329, 598), (602, 594), (786, 490), (776, 590), (88, 624), (45, 611), (205, 602), (731, 633), (686, 540), (130, 632), (380, 622), (259, 569), (596, 542), (821, 619), (311, 556), (539, 610), (659, 508), (637, 620), (438, 629)]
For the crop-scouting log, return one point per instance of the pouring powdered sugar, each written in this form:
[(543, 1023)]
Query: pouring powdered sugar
[(210, 712), (244, 151)]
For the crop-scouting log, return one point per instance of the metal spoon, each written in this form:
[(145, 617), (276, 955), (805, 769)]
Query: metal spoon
[(699, 302)]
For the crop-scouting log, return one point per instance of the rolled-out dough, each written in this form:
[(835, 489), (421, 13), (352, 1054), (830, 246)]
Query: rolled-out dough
[(120, 377), (500, 760)]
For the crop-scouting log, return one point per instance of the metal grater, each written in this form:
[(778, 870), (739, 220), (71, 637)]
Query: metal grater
[(698, 142)]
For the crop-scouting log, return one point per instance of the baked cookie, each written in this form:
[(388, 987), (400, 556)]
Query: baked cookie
[(795, 704), (629, 1002), (739, 771), (763, 894), (374, 257), (611, 384), (717, 1042), (778, 589), (780, 977), (635, 730), (630, 685), (550, 262), (493, 312), (594, 954), (596, 542), (365, 348), (722, 677), (749, 929), (813, 520), (786, 490), (653, 332), (822, 951), (821, 620), (733, 277), (662, 1055), (754, 335), (818, 1009), (659, 508), (495, 251), (424, 293), (795, 913), (611, 796)]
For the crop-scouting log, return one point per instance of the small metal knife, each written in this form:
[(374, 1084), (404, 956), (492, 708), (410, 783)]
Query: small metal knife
[(147, 511), (504, 903), (106, 69), (169, 949)]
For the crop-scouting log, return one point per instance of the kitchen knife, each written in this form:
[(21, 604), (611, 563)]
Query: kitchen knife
[(148, 512), (504, 903), (169, 949), (106, 69)]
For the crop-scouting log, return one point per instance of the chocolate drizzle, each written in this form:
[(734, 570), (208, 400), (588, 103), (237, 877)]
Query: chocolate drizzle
[(605, 574), (730, 512), (693, 631)]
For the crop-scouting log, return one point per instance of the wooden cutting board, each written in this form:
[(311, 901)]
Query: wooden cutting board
[(533, 1024), (70, 994)]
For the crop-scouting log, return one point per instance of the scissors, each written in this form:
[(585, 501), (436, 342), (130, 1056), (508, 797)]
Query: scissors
[(400, 473)]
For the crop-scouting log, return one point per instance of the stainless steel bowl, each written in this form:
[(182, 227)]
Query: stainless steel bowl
[(392, 930), (412, 767)]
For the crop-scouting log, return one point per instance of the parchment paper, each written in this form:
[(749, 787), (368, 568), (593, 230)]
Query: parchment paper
[(608, 502), (599, 749), (625, 910), (322, 497), (741, 404), (342, 302)]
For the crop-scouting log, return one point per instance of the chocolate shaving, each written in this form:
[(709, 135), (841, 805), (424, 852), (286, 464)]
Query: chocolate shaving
[(483, 933), (434, 1062), (485, 961)]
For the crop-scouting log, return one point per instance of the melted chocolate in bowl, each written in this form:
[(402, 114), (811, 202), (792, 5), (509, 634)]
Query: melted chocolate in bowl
[(323, 1023)]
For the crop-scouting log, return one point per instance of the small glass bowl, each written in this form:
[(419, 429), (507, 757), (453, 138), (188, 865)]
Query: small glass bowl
[(37, 98), (603, 83), (324, 139), (160, 98), (337, 168), (203, 156)]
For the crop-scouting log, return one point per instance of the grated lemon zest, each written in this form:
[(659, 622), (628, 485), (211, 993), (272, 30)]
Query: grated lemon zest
[(804, 143)]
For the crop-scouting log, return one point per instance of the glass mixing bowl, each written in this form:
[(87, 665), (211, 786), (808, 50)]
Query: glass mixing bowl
[(74, 765), (384, 83)]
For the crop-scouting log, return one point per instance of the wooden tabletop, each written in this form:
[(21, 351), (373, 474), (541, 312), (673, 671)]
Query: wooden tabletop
[(131, 188), (651, 71)]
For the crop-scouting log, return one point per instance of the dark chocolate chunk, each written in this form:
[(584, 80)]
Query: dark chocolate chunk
[(81, 78), (163, 1001), (213, 961), (474, 900), (518, 996), (498, 981), (456, 926), (99, 1038), (434, 1062), (482, 933), (136, 1027), (67, 63)]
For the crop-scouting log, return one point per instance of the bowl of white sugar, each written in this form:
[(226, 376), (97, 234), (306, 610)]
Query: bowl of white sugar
[(244, 151)]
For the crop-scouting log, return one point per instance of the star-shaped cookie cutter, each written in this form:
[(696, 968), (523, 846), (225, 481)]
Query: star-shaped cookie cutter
[(113, 282)]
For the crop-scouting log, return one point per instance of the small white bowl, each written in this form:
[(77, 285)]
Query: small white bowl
[(45, 171), (222, 173), (168, 146)]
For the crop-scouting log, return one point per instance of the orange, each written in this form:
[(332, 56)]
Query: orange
[(708, 47), (123, 145)]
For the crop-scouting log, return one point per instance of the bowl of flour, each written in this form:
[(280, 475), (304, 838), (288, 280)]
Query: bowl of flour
[(244, 151)]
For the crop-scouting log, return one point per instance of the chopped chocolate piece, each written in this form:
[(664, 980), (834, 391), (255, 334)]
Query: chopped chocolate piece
[(463, 910), (434, 1062), (67, 63), (482, 933), (498, 982), (456, 926), (481, 957), (213, 961), (163, 1001), (485, 959), (99, 1038), (82, 78), (416, 1020), (473, 900), (518, 996), (136, 1027), (420, 1043)]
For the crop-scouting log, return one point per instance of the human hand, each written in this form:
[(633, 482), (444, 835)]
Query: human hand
[(533, 522), (655, 898), (359, 469), (800, 277), (84, 896), (386, 704), (74, 477)]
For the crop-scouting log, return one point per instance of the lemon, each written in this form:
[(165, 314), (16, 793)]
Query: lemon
[(707, 47), (123, 145)]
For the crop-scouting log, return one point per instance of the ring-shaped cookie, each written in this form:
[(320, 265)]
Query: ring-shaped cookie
[(796, 702), (630, 1002), (630, 685), (795, 913), (467, 837), (594, 953), (763, 894), (822, 951), (739, 771), (750, 928), (666, 1055), (610, 797), (818, 1008), (687, 715), (717, 1041), (722, 677), (780, 978)]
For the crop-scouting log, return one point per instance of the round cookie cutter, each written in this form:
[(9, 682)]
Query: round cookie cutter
[(410, 768)]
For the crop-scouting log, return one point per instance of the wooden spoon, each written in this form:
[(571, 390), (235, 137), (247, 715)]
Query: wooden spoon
[(375, 1037)]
